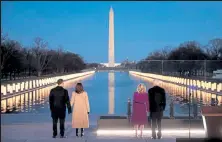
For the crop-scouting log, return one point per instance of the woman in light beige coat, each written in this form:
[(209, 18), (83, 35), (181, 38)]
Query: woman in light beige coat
[(81, 109)]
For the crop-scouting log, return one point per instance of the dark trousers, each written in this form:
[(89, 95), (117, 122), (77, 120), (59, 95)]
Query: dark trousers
[(156, 123), (62, 127)]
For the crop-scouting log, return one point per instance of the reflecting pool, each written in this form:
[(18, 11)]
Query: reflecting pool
[(108, 93)]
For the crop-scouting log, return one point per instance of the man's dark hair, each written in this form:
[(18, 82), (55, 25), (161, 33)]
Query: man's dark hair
[(60, 81)]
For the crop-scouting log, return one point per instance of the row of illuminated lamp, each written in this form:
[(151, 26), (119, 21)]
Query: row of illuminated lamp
[(211, 86), (32, 84), (205, 99)]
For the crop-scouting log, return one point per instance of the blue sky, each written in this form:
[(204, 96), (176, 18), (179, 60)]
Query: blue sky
[(140, 27)]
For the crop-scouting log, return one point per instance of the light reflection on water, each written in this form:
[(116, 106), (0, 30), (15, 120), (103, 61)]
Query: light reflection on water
[(180, 96), (108, 94), (34, 101)]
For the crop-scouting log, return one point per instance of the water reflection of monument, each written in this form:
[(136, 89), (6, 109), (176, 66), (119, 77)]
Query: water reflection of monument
[(111, 88)]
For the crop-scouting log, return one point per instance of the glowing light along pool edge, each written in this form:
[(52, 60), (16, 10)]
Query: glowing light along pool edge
[(114, 132)]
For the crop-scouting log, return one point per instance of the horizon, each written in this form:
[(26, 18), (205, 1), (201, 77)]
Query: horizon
[(81, 26)]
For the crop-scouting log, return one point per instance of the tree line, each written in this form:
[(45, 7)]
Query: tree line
[(189, 58), (36, 60)]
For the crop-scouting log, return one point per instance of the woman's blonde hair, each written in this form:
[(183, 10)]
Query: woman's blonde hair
[(141, 88)]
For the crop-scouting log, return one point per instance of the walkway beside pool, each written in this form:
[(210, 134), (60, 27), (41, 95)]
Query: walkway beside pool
[(38, 127), (42, 132)]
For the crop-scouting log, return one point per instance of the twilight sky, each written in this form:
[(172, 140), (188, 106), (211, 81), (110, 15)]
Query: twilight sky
[(140, 27)]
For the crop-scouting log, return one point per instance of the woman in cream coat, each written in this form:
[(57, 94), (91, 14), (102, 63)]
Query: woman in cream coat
[(81, 109)]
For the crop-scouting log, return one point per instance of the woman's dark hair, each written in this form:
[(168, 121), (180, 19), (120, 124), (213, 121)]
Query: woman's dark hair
[(79, 88)]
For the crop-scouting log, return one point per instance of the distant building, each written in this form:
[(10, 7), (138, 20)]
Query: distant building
[(107, 64)]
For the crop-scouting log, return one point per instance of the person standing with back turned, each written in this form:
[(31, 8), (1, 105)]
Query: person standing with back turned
[(157, 101), (140, 108), (81, 109), (58, 100)]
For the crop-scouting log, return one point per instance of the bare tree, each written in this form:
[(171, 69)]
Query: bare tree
[(40, 53), (3, 36), (190, 50), (60, 62), (166, 51), (57, 62), (214, 49), (8, 47), (17, 60), (27, 60), (159, 54)]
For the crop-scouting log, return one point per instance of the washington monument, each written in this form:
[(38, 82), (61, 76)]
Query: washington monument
[(111, 38)]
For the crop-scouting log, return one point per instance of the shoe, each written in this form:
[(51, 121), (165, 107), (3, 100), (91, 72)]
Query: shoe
[(153, 137), (159, 135), (62, 136), (82, 134), (53, 136)]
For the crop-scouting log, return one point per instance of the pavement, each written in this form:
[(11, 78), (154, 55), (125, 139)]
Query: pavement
[(38, 128), (35, 132)]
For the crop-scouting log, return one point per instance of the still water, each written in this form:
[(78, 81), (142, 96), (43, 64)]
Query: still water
[(108, 93)]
